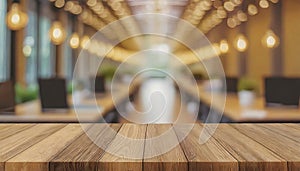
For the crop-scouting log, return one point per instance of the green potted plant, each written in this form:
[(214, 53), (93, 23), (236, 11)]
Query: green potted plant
[(108, 72), (247, 90)]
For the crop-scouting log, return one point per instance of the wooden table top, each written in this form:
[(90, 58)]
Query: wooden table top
[(41, 147), (258, 112)]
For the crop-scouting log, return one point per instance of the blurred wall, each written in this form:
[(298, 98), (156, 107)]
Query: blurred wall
[(291, 35), (259, 58)]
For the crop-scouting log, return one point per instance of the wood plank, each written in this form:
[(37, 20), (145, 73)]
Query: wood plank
[(20, 141), (250, 154), (83, 154), (295, 126), (37, 157), (7, 130), (128, 142), (284, 130), (174, 160), (283, 146), (210, 156)]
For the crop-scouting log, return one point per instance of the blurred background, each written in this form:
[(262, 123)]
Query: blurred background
[(242, 51)]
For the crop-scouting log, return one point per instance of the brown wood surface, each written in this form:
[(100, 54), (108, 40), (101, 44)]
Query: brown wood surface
[(250, 154), (204, 156), (124, 147), (83, 153), (43, 147), (174, 160), (280, 144)]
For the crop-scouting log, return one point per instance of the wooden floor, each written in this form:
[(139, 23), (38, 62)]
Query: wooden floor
[(36, 147)]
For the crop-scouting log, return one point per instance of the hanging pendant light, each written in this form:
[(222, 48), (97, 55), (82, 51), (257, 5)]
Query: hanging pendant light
[(16, 19), (85, 41), (270, 39), (241, 43), (57, 33), (74, 41), (224, 47)]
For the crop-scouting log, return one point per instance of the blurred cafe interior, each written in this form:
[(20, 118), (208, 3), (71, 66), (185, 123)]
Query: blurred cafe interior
[(149, 61)]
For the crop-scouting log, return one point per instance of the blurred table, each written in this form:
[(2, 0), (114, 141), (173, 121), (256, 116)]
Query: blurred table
[(234, 112), (30, 112)]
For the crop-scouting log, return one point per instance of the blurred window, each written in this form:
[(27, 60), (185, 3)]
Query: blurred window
[(4, 34), (30, 45), (46, 51)]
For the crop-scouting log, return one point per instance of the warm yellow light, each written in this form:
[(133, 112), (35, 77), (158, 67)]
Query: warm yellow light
[(241, 43), (57, 33), (224, 47), (274, 1), (231, 22), (270, 40), (241, 16), (216, 49), (74, 41), (16, 19), (263, 3), (59, 3), (229, 6), (85, 40), (252, 9), (27, 50)]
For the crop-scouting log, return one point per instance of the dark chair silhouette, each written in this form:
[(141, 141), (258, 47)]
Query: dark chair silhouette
[(282, 91), (7, 97), (53, 94), (231, 84)]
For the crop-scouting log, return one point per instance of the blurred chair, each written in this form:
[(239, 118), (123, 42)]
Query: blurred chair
[(7, 98), (53, 94), (282, 91), (231, 84), (100, 84), (198, 77)]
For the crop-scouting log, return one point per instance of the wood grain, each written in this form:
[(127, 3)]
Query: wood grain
[(128, 142), (203, 156), (7, 130), (83, 153), (37, 157), (283, 146), (156, 143), (250, 154), (20, 141), (42, 147), (283, 130)]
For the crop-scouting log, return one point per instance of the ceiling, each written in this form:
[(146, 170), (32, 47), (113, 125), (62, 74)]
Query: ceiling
[(202, 14)]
